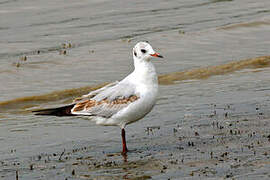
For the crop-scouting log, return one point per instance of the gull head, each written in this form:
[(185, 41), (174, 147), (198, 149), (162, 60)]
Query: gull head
[(143, 51)]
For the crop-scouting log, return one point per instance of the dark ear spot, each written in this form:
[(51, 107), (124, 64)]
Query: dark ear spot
[(143, 50), (135, 54)]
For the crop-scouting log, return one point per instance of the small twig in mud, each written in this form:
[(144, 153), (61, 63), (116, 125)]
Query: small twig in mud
[(73, 172), (211, 154), (62, 154), (31, 166), (17, 175), (23, 58), (18, 64), (150, 129), (190, 143), (62, 52)]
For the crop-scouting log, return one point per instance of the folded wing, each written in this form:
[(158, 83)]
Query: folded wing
[(107, 101)]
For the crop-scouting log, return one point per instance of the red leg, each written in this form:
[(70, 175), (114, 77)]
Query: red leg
[(125, 150)]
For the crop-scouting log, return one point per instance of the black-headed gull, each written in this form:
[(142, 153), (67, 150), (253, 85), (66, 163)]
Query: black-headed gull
[(119, 103)]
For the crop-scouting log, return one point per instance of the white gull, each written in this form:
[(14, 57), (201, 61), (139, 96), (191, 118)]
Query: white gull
[(119, 103)]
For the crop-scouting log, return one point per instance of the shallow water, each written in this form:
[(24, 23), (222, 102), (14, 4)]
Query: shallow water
[(216, 55)]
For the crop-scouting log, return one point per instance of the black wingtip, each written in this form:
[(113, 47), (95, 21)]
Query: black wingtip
[(60, 111)]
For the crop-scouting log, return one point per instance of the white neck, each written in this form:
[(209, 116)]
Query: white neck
[(144, 72)]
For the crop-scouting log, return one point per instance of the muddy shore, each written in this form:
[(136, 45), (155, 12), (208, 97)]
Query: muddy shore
[(220, 144), (211, 120)]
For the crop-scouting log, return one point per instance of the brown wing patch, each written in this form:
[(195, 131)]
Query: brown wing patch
[(92, 103), (103, 101), (133, 98), (123, 100), (80, 106)]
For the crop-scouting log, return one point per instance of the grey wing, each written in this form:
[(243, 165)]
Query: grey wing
[(94, 93), (118, 91), (107, 102)]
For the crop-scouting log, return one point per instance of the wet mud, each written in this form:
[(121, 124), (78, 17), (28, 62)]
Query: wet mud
[(228, 141), (222, 144)]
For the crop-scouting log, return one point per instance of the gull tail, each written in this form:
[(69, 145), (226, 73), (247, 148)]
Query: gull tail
[(60, 111)]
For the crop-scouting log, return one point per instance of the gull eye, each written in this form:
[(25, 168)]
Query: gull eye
[(135, 53), (143, 50)]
